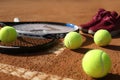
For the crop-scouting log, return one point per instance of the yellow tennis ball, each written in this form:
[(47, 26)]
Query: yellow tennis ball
[(73, 40), (8, 34), (96, 63), (102, 37)]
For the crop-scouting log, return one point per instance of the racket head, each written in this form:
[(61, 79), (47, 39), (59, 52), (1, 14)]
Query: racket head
[(44, 30), (29, 43)]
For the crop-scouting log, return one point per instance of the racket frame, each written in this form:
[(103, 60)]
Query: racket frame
[(22, 49)]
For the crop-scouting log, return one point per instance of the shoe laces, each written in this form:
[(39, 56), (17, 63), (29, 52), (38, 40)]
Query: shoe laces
[(118, 20), (109, 20), (114, 14), (98, 16), (102, 14)]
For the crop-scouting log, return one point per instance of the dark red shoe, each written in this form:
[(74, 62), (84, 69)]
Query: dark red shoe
[(110, 23), (96, 19), (116, 29)]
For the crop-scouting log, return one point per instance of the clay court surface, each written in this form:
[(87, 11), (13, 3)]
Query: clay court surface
[(57, 62)]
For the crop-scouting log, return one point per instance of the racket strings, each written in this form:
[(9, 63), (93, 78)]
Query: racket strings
[(27, 42)]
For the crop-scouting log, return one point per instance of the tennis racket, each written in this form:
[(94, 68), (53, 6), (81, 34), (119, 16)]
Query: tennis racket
[(36, 36)]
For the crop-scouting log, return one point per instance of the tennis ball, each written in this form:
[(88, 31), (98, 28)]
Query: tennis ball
[(102, 37), (8, 34), (73, 40), (96, 63)]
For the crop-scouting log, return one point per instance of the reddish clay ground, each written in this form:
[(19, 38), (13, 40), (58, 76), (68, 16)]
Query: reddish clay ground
[(68, 62)]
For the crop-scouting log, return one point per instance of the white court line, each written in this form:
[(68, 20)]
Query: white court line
[(58, 49), (27, 74)]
